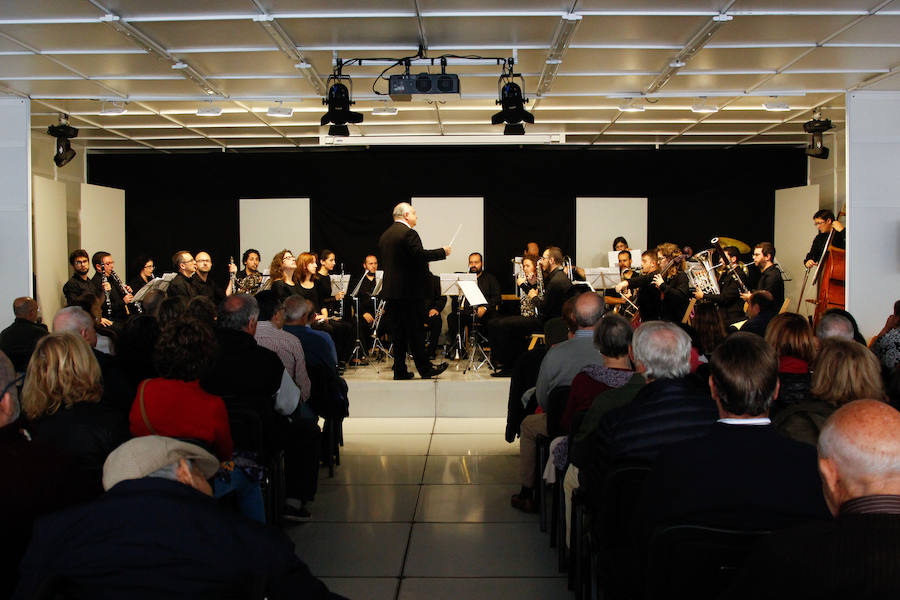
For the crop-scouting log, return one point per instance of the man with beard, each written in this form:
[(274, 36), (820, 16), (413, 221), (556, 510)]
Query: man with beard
[(488, 285), (203, 283), (79, 283)]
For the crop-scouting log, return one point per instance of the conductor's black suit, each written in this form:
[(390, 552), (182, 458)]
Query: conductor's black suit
[(406, 274)]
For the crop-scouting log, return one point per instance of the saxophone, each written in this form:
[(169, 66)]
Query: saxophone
[(526, 304)]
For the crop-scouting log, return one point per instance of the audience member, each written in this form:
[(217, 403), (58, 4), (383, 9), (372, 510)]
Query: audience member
[(743, 474), (172, 309), (35, 479), (834, 325), (318, 347), (856, 554), (107, 336), (118, 389), (559, 367), (709, 327), (857, 335), (670, 408), (156, 533), (761, 309), (843, 371), (136, 344), (151, 301), (269, 334), (886, 344), (17, 341), (61, 399), (791, 336), (203, 309)]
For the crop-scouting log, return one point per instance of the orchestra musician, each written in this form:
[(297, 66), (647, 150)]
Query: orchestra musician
[(80, 283), (556, 285), (249, 278), (620, 244), (185, 266), (119, 296), (532, 248), (770, 278), (322, 280), (648, 297), (144, 267), (283, 275), (489, 287), (673, 284), (624, 261), (509, 335), (312, 286), (365, 295), (433, 305), (824, 221), (728, 300), (204, 284)]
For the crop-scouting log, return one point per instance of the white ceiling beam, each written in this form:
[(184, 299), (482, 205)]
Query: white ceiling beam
[(562, 37), (95, 124), (284, 42), (179, 123)]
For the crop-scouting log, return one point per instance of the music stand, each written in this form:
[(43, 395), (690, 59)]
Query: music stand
[(157, 283), (359, 351), (602, 278), (475, 298), (450, 287)]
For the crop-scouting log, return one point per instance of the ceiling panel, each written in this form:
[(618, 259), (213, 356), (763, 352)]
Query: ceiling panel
[(822, 81), (782, 29), (43, 9), (879, 29), (328, 6), (117, 65), (600, 85), (644, 129), (351, 32), (246, 63), (890, 84), (503, 31), (494, 5), (31, 66), (193, 34), (152, 87), (84, 36), (803, 5), (742, 59), (637, 30), (79, 88), (136, 8), (584, 60)]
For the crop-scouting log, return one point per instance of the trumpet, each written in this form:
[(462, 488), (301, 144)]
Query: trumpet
[(379, 313)]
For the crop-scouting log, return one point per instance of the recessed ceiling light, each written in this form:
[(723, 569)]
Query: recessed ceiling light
[(179, 65), (280, 111), (302, 65), (677, 64), (776, 106), (700, 106), (113, 108), (385, 110), (209, 110), (629, 106)]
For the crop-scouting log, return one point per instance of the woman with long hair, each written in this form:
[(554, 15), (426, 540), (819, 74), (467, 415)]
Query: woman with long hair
[(673, 284), (61, 400), (323, 281), (509, 335), (792, 338), (283, 274)]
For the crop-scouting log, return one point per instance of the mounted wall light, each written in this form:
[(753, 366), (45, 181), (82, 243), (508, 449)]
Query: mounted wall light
[(339, 101), (63, 132)]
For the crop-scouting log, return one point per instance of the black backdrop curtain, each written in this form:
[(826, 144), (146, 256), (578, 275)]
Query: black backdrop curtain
[(191, 200)]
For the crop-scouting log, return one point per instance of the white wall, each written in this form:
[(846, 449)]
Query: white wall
[(15, 203), (439, 219), (270, 236), (103, 223), (873, 207), (794, 232), (51, 268), (598, 221)]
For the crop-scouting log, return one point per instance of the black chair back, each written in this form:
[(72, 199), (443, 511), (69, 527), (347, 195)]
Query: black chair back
[(698, 561), (556, 405)]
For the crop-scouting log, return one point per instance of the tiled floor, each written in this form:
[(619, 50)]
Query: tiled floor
[(419, 508)]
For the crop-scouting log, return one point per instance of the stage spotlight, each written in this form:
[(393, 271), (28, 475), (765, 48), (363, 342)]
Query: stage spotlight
[(816, 127), (513, 104), (338, 103), (63, 133)]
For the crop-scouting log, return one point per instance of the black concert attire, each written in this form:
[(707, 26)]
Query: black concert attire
[(137, 283), (405, 264), (18, 341), (675, 297), (509, 336), (490, 288), (181, 286), (771, 281), (208, 288), (649, 298), (116, 299), (365, 304), (556, 290), (728, 300), (322, 283), (77, 286), (838, 240), (433, 300), (250, 282), (285, 291)]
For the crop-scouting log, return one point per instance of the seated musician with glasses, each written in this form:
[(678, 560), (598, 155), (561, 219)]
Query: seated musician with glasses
[(824, 221), (488, 285), (649, 299)]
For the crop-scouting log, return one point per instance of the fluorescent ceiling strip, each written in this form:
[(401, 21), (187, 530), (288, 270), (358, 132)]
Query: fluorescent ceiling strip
[(438, 14), (752, 45), (223, 49), (659, 46), (727, 72)]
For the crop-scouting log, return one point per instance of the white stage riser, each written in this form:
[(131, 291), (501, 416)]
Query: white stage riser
[(428, 398)]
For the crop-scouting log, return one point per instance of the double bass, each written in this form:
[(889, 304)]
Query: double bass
[(830, 277)]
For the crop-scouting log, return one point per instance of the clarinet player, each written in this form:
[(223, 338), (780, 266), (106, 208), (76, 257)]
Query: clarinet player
[(115, 299)]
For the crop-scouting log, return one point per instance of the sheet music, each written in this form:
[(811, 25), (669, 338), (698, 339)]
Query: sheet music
[(339, 283), (160, 283), (602, 278), (449, 281), (472, 292)]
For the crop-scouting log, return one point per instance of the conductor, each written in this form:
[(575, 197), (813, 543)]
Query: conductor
[(405, 265)]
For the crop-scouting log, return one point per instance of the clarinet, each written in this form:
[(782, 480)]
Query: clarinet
[(339, 311), (234, 283), (115, 277), (103, 282)]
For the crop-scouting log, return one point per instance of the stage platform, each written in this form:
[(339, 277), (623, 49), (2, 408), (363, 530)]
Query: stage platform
[(374, 393)]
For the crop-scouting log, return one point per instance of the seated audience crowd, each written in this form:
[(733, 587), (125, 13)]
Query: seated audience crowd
[(119, 462), (778, 435)]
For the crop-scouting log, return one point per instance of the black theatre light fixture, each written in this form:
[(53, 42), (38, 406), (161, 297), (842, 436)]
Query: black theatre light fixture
[(63, 132), (512, 102), (816, 127), (338, 102)]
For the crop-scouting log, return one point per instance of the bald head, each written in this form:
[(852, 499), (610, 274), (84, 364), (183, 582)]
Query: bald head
[(25, 308), (76, 320), (859, 452), (588, 310)]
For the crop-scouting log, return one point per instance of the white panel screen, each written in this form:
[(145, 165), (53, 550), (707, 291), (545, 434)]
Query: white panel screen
[(15, 203), (103, 223), (439, 219), (794, 232), (598, 221), (50, 245), (272, 235)]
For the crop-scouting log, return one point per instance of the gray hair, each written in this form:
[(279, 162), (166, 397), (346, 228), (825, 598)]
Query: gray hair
[(855, 458), (23, 307), (612, 335), (73, 319), (237, 311), (588, 310), (833, 325), (170, 472), (295, 308), (401, 210), (663, 348)]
